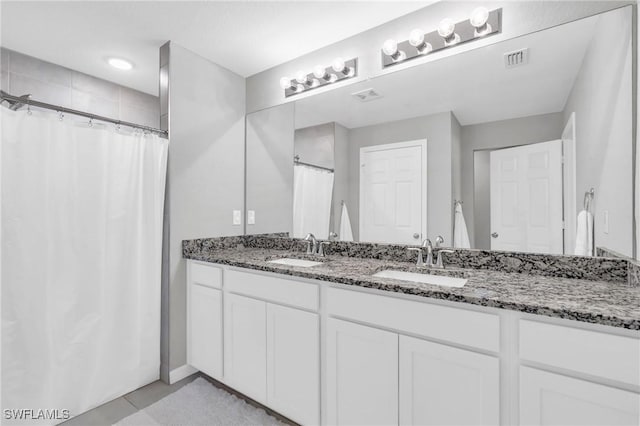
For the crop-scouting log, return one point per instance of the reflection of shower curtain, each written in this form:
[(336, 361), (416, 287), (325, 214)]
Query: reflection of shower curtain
[(312, 190), (81, 261)]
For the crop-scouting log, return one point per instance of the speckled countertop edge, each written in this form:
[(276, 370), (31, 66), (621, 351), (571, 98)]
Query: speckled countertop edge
[(599, 302)]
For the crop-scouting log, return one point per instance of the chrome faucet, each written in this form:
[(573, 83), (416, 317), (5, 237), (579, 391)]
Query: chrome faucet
[(427, 244), (312, 244), (439, 262), (429, 263)]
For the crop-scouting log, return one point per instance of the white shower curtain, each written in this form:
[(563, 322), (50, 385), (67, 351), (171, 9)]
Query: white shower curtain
[(312, 191), (82, 212)]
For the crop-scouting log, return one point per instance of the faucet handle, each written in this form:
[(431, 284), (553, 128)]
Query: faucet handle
[(439, 241), (439, 262), (419, 262), (321, 245)]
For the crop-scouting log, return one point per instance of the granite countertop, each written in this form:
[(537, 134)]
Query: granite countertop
[(608, 303)]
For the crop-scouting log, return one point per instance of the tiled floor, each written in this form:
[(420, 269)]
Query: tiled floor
[(116, 410)]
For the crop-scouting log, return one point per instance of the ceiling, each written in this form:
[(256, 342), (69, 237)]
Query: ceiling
[(245, 37), (474, 85)]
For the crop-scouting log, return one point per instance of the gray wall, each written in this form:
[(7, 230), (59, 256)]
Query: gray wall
[(341, 176), (456, 164), (206, 168), (269, 172), (602, 100), (50, 83), (315, 145), (437, 129), (481, 218), (518, 17), (500, 134)]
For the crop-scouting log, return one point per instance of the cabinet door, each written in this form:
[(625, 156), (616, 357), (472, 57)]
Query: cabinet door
[(553, 399), (442, 385), (293, 363), (362, 375), (205, 330), (245, 350)]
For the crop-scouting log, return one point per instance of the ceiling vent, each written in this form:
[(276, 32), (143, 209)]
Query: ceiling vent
[(516, 58), (367, 95)]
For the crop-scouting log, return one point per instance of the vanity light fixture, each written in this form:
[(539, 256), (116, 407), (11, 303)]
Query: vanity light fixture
[(416, 39), (321, 76), (481, 23)]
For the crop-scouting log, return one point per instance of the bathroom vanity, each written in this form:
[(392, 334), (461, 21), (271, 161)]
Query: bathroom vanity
[(334, 344)]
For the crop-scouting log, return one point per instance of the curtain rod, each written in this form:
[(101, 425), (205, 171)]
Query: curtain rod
[(296, 160), (17, 102)]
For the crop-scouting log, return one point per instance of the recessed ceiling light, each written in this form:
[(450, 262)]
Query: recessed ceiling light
[(120, 64)]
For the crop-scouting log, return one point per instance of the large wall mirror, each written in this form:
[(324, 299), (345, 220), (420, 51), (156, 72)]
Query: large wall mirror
[(532, 157)]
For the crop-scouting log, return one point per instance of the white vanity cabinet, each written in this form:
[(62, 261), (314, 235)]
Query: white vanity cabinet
[(322, 353), (440, 385), (204, 320), (362, 375)]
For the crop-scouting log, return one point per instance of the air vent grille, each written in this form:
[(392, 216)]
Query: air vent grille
[(516, 58), (367, 95)]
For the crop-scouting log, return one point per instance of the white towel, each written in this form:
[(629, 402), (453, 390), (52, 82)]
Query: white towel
[(345, 225), (460, 233), (584, 234)]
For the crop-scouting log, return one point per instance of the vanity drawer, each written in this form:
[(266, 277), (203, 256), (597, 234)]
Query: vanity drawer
[(584, 351), (465, 327), (206, 275), (274, 289)]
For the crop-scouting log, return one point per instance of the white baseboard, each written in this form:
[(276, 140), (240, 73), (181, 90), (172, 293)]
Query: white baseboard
[(180, 373)]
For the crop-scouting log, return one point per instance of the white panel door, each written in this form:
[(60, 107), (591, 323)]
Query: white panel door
[(442, 385), (245, 349), (393, 193), (553, 399), (526, 198), (293, 363), (205, 330), (362, 375)]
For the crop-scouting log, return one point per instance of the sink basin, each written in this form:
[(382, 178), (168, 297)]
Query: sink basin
[(295, 262), (422, 278)]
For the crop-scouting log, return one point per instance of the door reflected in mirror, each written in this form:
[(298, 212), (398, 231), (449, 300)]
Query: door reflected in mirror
[(532, 158)]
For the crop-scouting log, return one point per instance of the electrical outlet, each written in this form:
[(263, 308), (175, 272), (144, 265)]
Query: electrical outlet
[(237, 217), (251, 217)]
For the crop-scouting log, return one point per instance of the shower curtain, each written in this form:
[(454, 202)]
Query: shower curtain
[(312, 191), (82, 212)]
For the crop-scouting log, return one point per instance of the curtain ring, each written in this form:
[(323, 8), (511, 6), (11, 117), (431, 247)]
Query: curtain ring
[(29, 109), (91, 122), (61, 116)]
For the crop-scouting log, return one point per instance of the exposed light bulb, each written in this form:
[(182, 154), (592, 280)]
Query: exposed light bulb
[(285, 83), (416, 37), (320, 72), (479, 18), (338, 65), (390, 47), (446, 28), (120, 64), (301, 77)]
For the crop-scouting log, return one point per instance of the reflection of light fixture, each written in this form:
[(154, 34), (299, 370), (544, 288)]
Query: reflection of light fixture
[(302, 77), (390, 48), (479, 18), (285, 82), (416, 39), (321, 76), (447, 30), (120, 64)]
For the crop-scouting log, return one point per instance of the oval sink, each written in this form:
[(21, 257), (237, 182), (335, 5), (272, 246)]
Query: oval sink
[(422, 278), (295, 262)]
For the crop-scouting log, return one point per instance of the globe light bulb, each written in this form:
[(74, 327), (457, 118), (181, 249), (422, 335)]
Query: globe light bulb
[(390, 47), (301, 77), (319, 72), (416, 37), (446, 28), (285, 83), (479, 17), (338, 65)]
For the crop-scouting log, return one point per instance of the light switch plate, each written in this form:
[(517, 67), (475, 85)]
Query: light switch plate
[(251, 217), (237, 217)]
